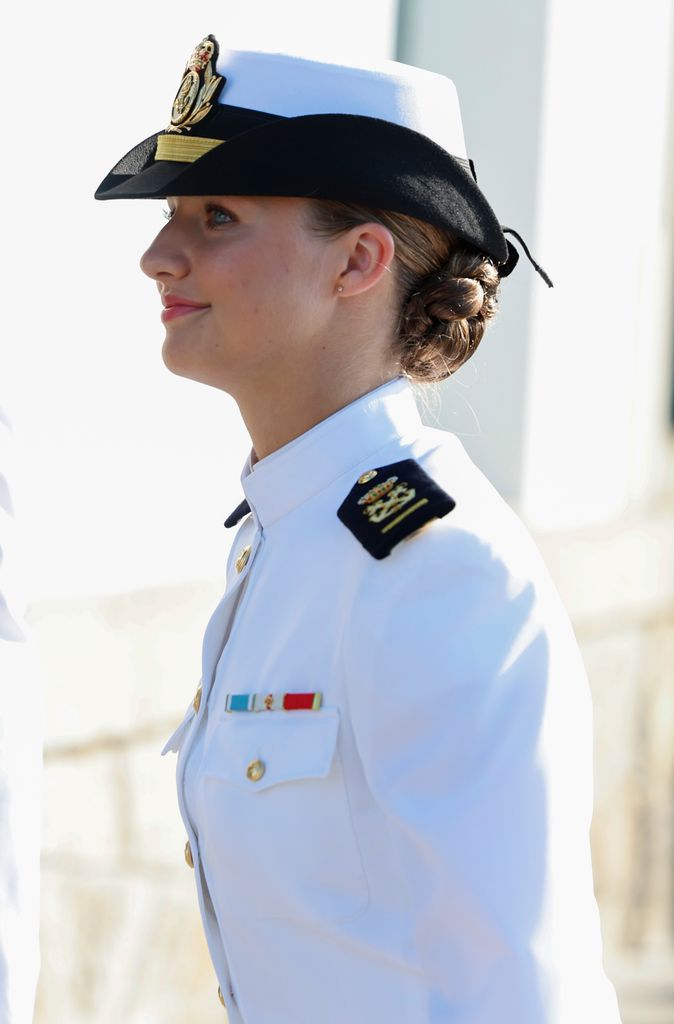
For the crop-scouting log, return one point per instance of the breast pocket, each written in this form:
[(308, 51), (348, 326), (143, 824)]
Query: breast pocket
[(279, 833)]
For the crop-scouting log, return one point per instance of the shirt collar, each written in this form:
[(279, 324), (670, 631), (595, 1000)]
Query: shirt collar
[(309, 463)]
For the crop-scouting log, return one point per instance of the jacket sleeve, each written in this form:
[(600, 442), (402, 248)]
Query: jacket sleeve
[(20, 776), (472, 718)]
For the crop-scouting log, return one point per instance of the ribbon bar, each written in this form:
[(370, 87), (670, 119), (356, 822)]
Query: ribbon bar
[(273, 701)]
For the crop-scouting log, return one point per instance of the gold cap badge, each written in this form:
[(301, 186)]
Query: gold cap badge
[(199, 87)]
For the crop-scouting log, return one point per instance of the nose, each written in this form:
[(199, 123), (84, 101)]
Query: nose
[(165, 257)]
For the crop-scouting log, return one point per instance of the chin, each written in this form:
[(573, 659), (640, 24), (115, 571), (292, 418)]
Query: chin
[(179, 357), (176, 356)]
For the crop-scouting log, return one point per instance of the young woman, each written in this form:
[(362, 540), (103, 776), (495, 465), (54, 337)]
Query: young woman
[(385, 775)]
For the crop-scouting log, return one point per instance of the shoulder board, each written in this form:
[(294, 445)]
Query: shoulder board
[(388, 503)]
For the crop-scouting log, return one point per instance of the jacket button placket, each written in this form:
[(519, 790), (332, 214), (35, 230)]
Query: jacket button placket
[(200, 701)]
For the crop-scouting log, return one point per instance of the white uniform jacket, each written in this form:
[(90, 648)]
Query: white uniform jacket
[(416, 850), (20, 774)]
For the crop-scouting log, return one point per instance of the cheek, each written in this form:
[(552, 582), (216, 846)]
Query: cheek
[(259, 293), (242, 275), (264, 295), (298, 280)]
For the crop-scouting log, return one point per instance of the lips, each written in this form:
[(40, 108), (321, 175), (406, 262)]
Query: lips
[(177, 305)]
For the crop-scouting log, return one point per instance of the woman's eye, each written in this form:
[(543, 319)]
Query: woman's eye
[(166, 213), (217, 216)]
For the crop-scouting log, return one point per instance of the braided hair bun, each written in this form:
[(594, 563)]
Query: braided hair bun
[(444, 317)]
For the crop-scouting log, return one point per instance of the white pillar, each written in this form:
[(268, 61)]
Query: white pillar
[(494, 52), (567, 112), (600, 371)]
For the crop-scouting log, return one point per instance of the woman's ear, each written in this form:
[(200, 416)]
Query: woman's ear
[(368, 251)]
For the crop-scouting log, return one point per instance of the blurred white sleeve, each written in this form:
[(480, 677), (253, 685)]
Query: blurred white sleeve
[(20, 773)]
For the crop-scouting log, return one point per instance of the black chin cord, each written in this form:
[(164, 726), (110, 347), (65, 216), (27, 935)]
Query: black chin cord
[(536, 266)]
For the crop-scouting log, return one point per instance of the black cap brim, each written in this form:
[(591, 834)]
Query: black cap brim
[(344, 157)]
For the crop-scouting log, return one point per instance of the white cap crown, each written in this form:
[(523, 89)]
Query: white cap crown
[(291, 86)]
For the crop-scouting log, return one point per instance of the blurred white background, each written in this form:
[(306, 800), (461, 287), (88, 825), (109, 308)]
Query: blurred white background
[(128, 471)]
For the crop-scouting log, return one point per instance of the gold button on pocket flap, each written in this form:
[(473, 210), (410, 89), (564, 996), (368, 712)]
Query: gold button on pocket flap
[(189, 860), (258, 751), (256, 770)]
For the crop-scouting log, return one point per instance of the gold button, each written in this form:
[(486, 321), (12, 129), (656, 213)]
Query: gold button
[(242, 560), (197, 700), (188, 854), (255, 770), (221, 997), (366, 477)]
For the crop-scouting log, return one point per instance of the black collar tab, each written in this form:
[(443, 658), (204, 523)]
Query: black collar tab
[(239, 512)]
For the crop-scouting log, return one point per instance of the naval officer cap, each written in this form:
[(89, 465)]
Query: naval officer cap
[(254, 123)]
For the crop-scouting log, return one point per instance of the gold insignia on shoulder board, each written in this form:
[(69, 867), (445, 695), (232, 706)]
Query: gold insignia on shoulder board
[(404, 499), (377, 491), (389, 501), (198, 88)]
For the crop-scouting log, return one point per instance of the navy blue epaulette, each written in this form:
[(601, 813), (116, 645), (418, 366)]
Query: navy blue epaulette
[(388, 503)]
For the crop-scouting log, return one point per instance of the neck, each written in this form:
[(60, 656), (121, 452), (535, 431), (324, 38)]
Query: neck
[(289, 400), (297, 405)]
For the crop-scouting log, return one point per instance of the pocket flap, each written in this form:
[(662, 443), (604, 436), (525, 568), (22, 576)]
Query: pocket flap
[(281, 745)]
